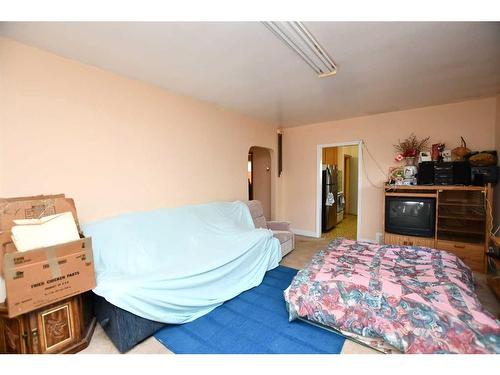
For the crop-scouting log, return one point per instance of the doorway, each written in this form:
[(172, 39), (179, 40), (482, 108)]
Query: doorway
[(259, 177), (339, 180), (347, 182)]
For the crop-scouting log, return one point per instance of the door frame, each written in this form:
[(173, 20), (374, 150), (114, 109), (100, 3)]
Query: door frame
[(319, 158), (347, 183), (250, 186)]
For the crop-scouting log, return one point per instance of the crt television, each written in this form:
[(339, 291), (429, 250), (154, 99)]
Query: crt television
[(410, 216)]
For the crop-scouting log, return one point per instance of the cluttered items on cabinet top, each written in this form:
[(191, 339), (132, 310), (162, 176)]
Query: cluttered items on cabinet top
[(438, 165), (44, 257)]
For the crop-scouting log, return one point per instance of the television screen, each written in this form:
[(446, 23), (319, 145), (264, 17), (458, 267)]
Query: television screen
[(410, 216)]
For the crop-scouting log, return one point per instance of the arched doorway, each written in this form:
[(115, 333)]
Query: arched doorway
[(259, 177)]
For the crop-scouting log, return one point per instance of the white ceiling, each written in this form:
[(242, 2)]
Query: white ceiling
[(243, 66)]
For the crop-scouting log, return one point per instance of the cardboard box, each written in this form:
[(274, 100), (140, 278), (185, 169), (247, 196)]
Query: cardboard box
[(37, 278), (29, 208), (34, 208), (40, 277)]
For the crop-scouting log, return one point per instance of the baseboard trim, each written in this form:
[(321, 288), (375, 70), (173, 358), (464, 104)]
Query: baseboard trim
[(305, 233), (367, 240)]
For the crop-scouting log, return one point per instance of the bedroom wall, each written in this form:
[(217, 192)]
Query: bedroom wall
[(474, 120), (112, 143)]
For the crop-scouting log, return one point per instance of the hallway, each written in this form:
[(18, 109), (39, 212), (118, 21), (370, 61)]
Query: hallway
[(347, 229)]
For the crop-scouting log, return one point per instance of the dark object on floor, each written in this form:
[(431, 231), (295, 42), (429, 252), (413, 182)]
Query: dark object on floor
[(124, 329), (255, 322)]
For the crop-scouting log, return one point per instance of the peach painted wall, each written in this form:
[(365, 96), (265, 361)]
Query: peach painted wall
[(113, 143), (474, 120)]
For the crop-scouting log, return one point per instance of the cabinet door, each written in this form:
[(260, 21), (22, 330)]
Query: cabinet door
[(400, 240), (57, 326), (471, 254), (395, 239), (421, 241), (13, 334), (330, 155), (333, 156), (461, 216)]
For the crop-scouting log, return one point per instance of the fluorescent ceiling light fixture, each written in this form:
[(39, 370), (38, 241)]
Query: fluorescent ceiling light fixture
[(295, 35)]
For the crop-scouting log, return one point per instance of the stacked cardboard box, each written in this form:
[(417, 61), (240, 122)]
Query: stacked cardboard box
[(39, 277)]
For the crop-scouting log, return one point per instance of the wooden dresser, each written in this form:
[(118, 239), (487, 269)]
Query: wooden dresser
[(63, 327), (462, 221)]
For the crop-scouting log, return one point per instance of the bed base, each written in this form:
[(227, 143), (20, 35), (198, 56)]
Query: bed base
[(124, 329)]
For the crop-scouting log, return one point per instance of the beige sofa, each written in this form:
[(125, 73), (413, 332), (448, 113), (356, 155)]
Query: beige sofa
[(281, 229)]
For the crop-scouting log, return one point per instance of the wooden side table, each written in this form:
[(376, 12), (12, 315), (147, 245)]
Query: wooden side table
[(63, 327)]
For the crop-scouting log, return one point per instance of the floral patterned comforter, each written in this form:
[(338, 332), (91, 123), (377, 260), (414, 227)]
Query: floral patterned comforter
[(414, 299)]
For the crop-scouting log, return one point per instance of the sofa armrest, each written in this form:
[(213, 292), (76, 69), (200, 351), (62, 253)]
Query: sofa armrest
[(278, 225)]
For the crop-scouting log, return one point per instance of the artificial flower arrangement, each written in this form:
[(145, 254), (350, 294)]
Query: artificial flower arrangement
[(411, 147)]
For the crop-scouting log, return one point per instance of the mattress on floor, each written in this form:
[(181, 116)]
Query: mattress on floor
[(413, 299), (125, 329)]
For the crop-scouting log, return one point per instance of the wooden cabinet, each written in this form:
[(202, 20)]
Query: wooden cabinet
[(421, 241), (462, 225), (397, 239), (63, 327), (330, 155), (14, 336), (471, 254), (461, 216)]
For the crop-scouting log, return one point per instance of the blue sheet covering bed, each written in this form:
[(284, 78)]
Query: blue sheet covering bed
[(175, 265)]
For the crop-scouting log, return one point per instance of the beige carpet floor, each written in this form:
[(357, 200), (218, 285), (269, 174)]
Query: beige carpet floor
[(305, 248)]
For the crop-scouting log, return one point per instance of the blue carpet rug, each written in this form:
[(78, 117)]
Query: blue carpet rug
[(255, 322)]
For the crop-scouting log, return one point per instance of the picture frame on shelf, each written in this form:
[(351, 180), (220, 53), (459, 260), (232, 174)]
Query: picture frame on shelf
[(396, 175)]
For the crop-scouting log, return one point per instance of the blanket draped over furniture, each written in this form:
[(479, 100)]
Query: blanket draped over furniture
[(413, 299), (175, 265)]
